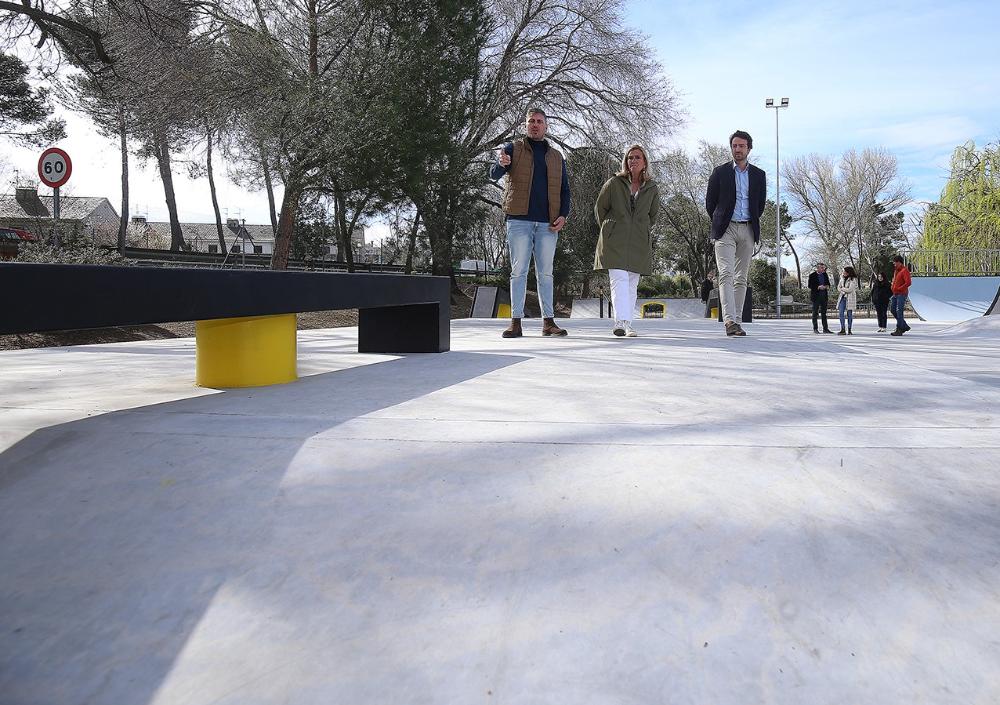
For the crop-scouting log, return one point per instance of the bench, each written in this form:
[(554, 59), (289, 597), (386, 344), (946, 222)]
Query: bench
[(245, 321)]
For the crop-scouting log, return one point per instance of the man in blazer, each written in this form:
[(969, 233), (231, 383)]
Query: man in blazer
[(819, 292), (737, 191)]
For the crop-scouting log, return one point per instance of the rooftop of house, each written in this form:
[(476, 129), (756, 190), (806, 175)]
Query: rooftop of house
[(26, 203), (208, 232)]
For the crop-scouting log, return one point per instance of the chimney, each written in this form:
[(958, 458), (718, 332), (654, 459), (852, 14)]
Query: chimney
[(26, 194), (233, 224), (139, 219), (27, 198)]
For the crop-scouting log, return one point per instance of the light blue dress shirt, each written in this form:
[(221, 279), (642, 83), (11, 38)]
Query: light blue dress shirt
[(742, 211)]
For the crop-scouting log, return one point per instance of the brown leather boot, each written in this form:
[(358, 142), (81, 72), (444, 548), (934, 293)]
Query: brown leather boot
[(514, 331), (549, 327)]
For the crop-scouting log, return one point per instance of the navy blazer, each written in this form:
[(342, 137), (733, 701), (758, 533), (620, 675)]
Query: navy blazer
[(814, 290), (720, 200)]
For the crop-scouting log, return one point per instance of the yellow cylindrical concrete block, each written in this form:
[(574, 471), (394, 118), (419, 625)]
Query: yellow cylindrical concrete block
[(503, 310), (715, 312), (246, 352)]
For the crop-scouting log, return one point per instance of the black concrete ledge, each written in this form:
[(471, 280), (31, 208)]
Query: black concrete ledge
[(47, 297)]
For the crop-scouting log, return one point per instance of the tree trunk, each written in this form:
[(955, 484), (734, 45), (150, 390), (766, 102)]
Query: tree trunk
[(269, 186), (215, 198), (313, 12), (440, 232), (798, 266), (286, 224), (411, 245), (354, 221), (346, 243), (162, 151), (123, 222)]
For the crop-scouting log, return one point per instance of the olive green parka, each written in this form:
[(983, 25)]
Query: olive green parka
[(626, 240)]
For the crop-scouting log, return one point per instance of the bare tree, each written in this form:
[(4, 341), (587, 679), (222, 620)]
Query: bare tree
[(684, 229), (841, 203), (872, 187)]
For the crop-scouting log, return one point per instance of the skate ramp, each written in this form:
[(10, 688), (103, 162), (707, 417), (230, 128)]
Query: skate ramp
[(995, 306), (946, 299)]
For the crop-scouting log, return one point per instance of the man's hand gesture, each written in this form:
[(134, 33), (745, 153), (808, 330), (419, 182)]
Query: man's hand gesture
[(503, 159), (558, 224)]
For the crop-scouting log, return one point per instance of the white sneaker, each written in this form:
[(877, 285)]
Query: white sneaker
[(881, 330), (629, 333), (619, 329)]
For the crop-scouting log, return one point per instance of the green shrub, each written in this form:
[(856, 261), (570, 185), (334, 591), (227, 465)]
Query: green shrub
[(665, 286)]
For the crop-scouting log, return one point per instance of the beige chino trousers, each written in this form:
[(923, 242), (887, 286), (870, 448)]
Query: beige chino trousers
[(732, 259)]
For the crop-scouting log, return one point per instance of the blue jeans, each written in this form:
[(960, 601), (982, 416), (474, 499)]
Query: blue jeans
[(841, 309), (896, 305), (525, 238)]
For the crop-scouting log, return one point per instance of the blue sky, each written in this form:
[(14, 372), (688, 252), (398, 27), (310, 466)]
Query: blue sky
[(918, 78)]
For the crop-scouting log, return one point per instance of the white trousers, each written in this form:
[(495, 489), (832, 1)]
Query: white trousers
[(732, 258), (624, 287)]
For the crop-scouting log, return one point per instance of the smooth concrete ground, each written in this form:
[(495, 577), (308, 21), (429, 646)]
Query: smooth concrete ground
[(677, 518)]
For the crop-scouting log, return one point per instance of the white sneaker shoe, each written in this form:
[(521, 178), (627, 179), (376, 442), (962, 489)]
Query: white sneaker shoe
[(619, 329), (881, 330), (629, 333)]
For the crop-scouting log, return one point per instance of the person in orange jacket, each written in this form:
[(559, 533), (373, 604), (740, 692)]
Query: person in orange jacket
[(900, 288)]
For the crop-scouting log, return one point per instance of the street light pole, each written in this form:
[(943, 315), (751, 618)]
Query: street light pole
[(769, 103)]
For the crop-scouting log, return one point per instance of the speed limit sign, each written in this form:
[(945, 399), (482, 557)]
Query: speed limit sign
[(54, 167)]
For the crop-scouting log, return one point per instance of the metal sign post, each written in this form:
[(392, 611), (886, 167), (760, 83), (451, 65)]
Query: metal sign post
[(54, 169)]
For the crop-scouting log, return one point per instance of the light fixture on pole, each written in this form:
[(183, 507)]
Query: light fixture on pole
[(769, 103)]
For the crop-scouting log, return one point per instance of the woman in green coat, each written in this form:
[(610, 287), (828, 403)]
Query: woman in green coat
[(626, 210)]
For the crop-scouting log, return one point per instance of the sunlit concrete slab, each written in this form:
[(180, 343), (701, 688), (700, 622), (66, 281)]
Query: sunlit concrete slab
[(676, 518)]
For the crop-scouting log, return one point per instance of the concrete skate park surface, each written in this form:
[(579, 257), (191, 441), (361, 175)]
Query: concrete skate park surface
[(676, 518), (674, 308), (942, 299)]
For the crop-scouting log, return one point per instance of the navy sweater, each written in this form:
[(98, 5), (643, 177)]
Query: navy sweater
[(538, 199)]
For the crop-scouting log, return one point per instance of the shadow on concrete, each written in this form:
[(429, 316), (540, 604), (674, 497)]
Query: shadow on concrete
[(201, 556), (119, 530)]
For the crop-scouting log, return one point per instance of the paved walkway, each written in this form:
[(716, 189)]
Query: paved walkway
[(679, 518)]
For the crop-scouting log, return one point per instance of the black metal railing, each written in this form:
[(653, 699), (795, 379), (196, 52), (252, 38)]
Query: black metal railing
[(953, 263)]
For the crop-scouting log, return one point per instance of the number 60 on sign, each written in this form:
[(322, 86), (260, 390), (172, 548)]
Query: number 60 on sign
[(54, 167)]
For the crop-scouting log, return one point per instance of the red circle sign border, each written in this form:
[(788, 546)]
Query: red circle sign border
[(69, 167)]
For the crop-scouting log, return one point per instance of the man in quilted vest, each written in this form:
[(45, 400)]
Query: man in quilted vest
[(536, 201)]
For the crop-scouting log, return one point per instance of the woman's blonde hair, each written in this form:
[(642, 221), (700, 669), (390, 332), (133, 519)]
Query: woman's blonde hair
[(646, 170)]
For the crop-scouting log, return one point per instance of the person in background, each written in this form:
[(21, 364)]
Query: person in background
[(707, 286), (626, 210), (847, 301), (900, 288), (881, 293), (819, 288)]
